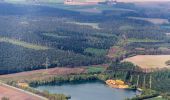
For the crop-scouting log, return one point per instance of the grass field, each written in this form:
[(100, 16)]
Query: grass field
[(126, 27), (55, 35), (98, 52), (23, 44), (93, 25), (152, 20), (96, 69), (149, 61), (131, 40)]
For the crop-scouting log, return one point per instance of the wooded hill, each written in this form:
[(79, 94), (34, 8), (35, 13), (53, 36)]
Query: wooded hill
[(70, 36)]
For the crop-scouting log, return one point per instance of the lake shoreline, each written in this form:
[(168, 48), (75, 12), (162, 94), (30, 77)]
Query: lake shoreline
[(83, 87)]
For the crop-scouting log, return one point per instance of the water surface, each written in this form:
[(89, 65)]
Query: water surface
[(89, 91)]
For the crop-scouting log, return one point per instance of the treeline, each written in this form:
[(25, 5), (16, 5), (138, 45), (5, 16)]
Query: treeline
[(160, 81), (123, 72), (21, 59), (147, 33), (134, 76), (69, 79), (157, 80)]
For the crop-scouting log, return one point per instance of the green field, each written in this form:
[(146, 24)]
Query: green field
[(96, 69), (126, 27), (98, 52), (93, 25), (105, 34), (23, 44), (55, 35), (152, 20), (131, 40)]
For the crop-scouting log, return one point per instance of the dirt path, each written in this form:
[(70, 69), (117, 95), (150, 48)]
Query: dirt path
[(17, 94)]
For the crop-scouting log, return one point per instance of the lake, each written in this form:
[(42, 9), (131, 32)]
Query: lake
[(89, 91)]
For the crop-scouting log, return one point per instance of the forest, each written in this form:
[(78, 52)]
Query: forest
[(53, 35), (30, 34)]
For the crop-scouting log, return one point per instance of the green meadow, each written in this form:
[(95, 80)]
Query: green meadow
[(23, 44)]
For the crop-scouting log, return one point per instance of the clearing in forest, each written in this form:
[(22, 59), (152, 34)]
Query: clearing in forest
[(93, 25), (150, 61), (23, 44), (152, 20)]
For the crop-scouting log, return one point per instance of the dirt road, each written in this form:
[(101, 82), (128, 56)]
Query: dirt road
[(17, 94)]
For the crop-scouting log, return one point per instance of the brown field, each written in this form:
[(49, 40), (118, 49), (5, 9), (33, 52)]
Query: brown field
[(150, 61), (15, 94), (41, 74), (45, 74)]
